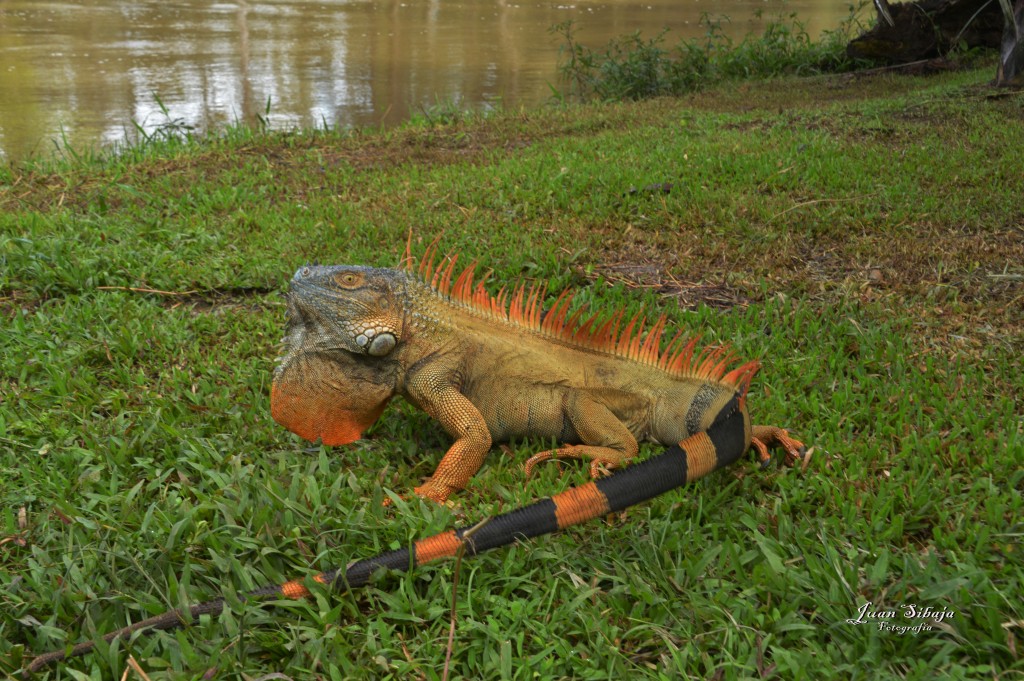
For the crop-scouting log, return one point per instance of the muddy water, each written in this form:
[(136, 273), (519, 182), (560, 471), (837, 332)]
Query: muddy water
[(88, 72)]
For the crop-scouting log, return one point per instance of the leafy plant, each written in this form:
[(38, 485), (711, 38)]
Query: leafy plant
[(632, 67)]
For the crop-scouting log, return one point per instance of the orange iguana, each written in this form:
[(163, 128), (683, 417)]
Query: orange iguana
[(490, 369)]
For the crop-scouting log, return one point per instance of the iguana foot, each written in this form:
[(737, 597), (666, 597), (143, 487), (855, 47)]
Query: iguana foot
[(435, 491), (599, 467), (770, 436)]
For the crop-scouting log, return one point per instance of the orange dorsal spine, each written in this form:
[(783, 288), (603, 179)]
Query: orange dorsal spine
[(523, 307)]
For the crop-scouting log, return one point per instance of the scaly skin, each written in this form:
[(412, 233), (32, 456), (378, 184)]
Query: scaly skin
[(491, 371)]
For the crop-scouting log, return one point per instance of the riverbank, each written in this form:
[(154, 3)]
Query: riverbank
[(862, 235)]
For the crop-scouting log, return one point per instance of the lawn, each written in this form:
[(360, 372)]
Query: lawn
[(863, 236)]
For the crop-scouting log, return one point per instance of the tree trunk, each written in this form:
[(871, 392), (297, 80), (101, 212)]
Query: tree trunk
[(1011, 56), (931, 28)]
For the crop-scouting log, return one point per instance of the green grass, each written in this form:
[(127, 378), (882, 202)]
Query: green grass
[(864, 236)]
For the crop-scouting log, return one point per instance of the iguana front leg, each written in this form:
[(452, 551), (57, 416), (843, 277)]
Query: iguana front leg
[(437, 396), (606, 440)]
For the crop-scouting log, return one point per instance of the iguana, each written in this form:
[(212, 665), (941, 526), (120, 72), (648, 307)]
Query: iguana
[(492, 368)]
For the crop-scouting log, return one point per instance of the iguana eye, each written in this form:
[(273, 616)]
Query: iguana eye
[(348, 279)]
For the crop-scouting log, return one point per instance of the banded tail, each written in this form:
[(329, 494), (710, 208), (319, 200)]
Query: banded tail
[(696, 456)]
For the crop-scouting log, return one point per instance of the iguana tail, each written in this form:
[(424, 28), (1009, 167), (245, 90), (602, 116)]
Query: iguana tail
[(723, 443)]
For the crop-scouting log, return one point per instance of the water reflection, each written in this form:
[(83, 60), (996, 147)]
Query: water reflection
[(84, 71)]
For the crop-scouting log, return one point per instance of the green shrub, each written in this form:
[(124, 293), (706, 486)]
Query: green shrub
[(631, 67)]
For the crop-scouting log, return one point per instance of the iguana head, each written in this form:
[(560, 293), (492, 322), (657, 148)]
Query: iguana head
[(336, 375), (355, 308)]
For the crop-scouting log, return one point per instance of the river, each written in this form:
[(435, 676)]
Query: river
[(92, 73)]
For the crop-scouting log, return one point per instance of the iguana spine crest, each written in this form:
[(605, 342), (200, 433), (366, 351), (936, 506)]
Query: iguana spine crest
[(523, 308)]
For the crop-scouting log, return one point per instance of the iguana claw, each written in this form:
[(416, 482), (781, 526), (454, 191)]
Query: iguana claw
[(436, 492), (598, 468), (424, 492), (769, 436)]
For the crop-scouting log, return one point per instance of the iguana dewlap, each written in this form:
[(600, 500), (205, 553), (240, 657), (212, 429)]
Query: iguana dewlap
[(491, 369)]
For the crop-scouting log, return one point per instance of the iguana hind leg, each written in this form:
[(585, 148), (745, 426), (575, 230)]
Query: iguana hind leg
[(764, 437), (607, 442)]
